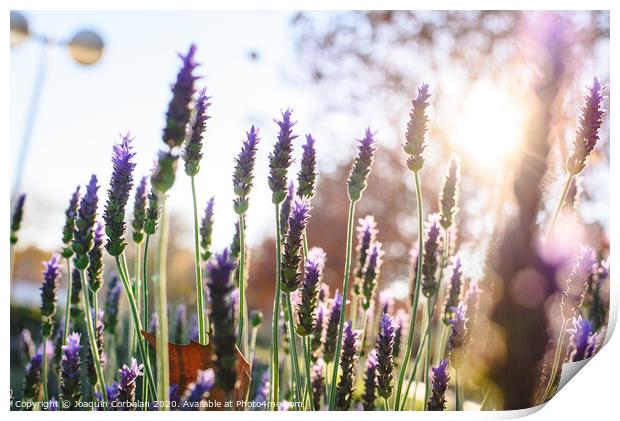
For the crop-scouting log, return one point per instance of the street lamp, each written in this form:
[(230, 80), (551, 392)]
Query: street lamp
[(85, 47)]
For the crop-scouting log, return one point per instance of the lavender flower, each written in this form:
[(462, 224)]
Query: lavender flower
[(580, 339), (76, 312), (385, 359), (139, 211), (100, 342), (32, 377), (356, 183), (280, 158), (181, 324), (85, 225), (127, 384), (371, 274), (316, 339), (471, 300), (95, 256), (589, 124), (306, 310), (453, 290), (193, 328), (16, 218), (430, 262), (262, 390), (437, 401), (400, 322), (285, 207), (331, 331), (121, 183), (317, 381), (348, 361), (370, 382), (415, 141), (323, 292), (110, 315), (26, 345), (219, 272), (206, 230), (292, 255), (458, 336), (306, 179), (193, 147), (366, 235), (52, 405), (198, 390), (69, 227), (179, 108), (577, 283), (152, 214), (70, 372), (51, 277), (244, 171), (386, 302), (448, 197), (154, 323)]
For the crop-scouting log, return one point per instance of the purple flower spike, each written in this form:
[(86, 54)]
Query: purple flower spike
[(415, 141), (152, 214), (370, 382), (206, 230), (95, 256), (16, 218), (581, 335), (587, 133), (198, 391), (179, 108), (454, 290), (121, 183), (219, 271), (180, 326), (371, 274), (69, 227), (139, 210), (317, 339), (449, 195), (348, 361), (292, 255), (366, 235), (280, 159), (437, 401), (262, 390), (458, 336), (243, 174), (331, 331), (85, 224), (309, 293), (26, 345), (385, 359), (577, 283), (386, 302), (193, 147), (32, 377), (110, 315), (317, 380), (126, 389), (307, 173), (358, 177), (400, 321), (285, 207), (471, 300), (430, 261), (51, 277), (154, 323), (70, 372)]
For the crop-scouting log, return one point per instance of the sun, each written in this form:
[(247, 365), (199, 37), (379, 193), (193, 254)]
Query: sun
[(490, 128)]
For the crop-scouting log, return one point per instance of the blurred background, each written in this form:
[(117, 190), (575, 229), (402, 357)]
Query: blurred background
[(340, 72)]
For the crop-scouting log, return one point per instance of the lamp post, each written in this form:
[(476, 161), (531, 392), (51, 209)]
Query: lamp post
[(85, 48)]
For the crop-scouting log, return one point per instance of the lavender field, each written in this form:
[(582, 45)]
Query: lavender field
[(403, 211)]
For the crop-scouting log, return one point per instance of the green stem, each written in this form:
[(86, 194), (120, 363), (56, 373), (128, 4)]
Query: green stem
[(252, 353), (387, 404), (457, 384), (275, 369), (241, 272), (137, 290), (136, 321), (345, 294), (161, 305), (202, 329), (556, 362), (558, 208), (292, 335), (65, 330), (305, 343), (414, 305), (145, 313), (91, 337), (430, 312), (44, 370)]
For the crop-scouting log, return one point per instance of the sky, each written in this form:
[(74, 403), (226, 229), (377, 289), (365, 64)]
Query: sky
[(83, 110)]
